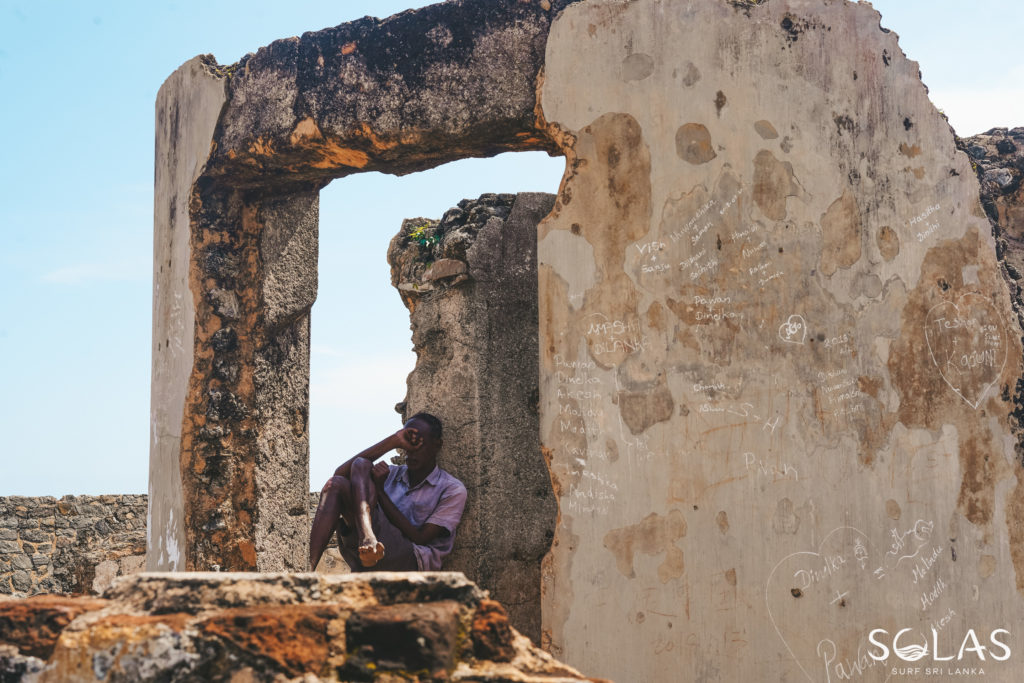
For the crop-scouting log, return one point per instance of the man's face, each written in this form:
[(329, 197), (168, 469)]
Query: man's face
[(425, 453)]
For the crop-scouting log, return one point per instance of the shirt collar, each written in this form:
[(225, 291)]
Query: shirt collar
[(433, 478)]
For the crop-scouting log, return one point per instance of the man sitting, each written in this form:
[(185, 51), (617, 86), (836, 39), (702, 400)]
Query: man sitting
[(391, 518)]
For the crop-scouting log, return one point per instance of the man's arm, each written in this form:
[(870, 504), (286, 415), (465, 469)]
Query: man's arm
[(403, 438), (420, 535)]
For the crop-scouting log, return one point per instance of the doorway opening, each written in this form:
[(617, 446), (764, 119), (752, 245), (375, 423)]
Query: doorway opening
[(360, 349)]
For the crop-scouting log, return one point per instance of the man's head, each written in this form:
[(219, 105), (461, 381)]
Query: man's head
[(430, 430)]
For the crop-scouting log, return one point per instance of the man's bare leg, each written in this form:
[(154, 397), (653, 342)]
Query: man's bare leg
[(335, 503), (364, 496)]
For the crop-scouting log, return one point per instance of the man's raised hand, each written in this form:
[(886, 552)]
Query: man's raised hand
[(409, 438)]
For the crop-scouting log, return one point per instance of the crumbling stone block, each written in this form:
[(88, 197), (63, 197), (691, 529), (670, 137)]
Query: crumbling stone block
[(34, 624), (206, 626), (492, 633), (404, 637)]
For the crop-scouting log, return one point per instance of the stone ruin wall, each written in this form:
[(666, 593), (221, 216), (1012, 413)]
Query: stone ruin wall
[(80, 544), (72, 544)]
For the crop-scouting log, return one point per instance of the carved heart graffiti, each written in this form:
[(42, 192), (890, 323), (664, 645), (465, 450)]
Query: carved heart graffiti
[(823, 603), (805, 585), (967, 343), (794, 330)]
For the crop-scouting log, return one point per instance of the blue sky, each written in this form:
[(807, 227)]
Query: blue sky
[(78, 81)]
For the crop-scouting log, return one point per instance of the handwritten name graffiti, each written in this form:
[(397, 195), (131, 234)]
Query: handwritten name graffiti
[(692, 226), (967, 343), (579, 395), (658, 268), (924, 214), (815, 575), (650, 249), (769, 471), (747, 252), (592, 493), (711, 388), (753, 244), (844, 668), (638, 450), (929, 229), (580, 412), (570, 410), (712, 301), (839, 392), (575, 381), (710, 264), (692, 266), (607, 335), (921, 219), (827, 567), (905, 545), (650, 252), (925, 563), (742, 410), (742, 234), (688, 263)]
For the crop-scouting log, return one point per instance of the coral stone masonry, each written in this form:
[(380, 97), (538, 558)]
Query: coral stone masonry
[(73, 544), (271, 627)]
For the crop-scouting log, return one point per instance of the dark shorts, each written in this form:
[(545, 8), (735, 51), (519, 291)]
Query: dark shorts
[(399, 555)]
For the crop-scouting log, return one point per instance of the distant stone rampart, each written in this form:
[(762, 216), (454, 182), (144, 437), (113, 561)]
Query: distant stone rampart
[(80, 544), (72, 544)]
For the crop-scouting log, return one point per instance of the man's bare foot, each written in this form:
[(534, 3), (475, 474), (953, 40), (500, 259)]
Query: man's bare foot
[(371, 552)]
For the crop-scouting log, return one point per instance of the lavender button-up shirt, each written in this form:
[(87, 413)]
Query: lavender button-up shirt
[(439, 499)]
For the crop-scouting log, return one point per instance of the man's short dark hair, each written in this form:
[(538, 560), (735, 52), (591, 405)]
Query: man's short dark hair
[(433, 422)]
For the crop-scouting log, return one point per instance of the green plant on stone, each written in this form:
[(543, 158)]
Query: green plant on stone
[(420, 235)]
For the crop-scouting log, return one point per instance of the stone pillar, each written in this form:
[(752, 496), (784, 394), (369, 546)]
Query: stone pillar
[(245, 446), (288, 247), (187, 108), (470, 283)]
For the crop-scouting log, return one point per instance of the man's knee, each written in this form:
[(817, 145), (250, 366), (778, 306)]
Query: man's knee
[(361, 467), (336, 485)]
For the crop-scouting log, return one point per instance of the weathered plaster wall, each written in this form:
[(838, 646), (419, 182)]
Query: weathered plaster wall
[(72, 544), (470, 284), (778, 360)]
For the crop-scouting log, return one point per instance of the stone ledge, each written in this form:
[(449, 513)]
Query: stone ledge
[(377, 626)]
